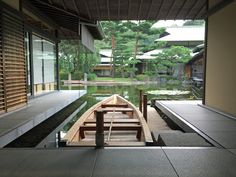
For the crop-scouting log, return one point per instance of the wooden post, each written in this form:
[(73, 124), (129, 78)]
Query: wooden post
[(99, 129), (145, 106), (140, 100)]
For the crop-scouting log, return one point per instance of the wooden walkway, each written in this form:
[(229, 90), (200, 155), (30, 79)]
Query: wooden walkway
[(155, 122)]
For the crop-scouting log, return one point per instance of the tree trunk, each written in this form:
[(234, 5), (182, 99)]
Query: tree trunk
[(113, 49), (135, 51)]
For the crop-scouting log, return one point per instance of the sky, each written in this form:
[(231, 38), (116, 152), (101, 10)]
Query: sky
[(168, 23)]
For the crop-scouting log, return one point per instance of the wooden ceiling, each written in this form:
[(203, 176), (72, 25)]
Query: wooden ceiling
[(93, 10), (69, 13)]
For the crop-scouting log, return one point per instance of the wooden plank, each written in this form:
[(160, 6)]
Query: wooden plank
[(90, 121), (116, 127), (88, 114), (145, 129), (110, 143), (115, 105), (123, 110)]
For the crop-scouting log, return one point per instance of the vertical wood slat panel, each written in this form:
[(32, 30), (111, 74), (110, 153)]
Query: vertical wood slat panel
[(13, 61), (2, 90)]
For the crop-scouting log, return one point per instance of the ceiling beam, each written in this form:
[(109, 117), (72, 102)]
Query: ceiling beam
[(159, 9), (62, 10), (108, 9), (149, 9), (217, 7), (76, 7), (63, 4), (98, 9), (87, 9), (190, 9), (129, 8), (180, 9), (171, 7), (118, 10), (200, 9), (139, 8)]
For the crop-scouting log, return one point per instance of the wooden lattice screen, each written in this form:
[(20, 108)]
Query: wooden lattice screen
[(12, 62), (2, 100)]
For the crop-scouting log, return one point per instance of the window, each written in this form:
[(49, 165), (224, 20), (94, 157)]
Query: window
[(44, 65)]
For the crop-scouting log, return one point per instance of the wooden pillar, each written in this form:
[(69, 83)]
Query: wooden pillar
[(145, 106), (140, 100), (99, 129), (57, 61)]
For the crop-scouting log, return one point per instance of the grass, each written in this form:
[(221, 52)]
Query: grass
[(113, 79)]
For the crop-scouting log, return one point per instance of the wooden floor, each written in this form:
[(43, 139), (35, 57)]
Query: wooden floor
[(155, 122)]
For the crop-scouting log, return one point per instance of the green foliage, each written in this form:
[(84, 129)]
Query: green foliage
[(63, 75), (142, 77), (77, 75), (127, 39), (194, 23), (91, 76), (73, 57), (166, 60)]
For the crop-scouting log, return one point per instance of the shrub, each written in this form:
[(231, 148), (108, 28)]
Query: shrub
[(63, 75), (91, 76), (142, 77), (77, 75)]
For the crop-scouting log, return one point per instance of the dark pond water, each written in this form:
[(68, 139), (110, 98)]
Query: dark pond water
[(129, 92)]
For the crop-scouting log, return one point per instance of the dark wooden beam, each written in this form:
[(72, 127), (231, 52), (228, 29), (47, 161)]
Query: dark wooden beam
[(57, 61), (159, 9), (129, 8), (50, 1), (118, 10), (62, 10), (98, 9), (200, 9), (27, 5), (205, 57), (217, 8), (76, 7), (171, 7), (63, 4), (139, 8), (87, 9), (108, 9), (180, 9), (190, 9), (149, 9), (57, 8)]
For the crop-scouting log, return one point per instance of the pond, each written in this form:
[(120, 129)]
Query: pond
[(131, 93)]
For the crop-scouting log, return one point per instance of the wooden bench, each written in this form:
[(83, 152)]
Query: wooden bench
[(123, 110), (115, 105), (115, 127), (121, 121)]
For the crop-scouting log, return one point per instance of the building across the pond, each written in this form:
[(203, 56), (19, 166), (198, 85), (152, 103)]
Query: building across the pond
[(105, 67), (187, 36)]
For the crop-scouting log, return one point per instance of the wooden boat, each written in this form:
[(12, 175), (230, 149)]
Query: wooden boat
[(124, 125)]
